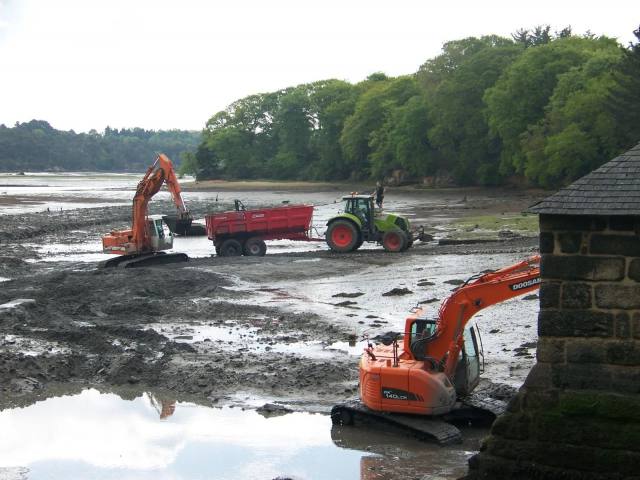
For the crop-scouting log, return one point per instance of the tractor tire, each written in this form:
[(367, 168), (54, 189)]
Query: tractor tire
[(394, 241), (230, 248), (254, 247), (358, 243), (342, 236)]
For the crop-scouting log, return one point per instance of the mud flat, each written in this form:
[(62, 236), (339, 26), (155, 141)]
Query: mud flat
[(239, 331)]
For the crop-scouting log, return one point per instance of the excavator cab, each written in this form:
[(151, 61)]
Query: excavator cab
[(422, 331), (160, 238)]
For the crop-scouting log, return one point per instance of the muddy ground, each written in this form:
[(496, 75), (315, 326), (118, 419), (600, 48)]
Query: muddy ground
[(73, 324)]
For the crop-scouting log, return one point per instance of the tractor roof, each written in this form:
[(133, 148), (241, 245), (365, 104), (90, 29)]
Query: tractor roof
[(356, 195)]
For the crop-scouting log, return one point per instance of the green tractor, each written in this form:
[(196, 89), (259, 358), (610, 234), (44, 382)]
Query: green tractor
[(361, 222)]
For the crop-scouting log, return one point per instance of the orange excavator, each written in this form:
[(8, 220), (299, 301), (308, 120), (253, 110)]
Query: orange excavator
[(439, 363), (143, 244)]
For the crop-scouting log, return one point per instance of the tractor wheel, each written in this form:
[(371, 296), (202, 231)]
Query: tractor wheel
[(230, 248), (358, 243), (394, 241), (255, 247), (409, 243), (342, 236)]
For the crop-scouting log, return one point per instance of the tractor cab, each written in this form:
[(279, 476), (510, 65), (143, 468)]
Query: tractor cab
[(362, 207), (421, 331), (159, 237)]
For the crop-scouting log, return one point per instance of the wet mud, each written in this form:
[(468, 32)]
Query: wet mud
[(273, 331)]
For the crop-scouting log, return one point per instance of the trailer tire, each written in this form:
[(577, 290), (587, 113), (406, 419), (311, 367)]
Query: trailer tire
[(254, 247), (230, 248), (394, 241), (342, 236)]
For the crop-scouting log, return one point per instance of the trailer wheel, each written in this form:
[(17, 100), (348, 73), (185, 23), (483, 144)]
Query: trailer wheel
[(230, 248), (342, 236), (255, 247), (394, 241)]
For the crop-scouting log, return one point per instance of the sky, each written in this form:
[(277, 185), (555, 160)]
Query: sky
[(163, 64)]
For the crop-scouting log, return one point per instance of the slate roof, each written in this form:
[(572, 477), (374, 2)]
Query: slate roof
[(612, 189)]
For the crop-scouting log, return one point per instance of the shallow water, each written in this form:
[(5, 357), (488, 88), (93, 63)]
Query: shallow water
[(101, 436)]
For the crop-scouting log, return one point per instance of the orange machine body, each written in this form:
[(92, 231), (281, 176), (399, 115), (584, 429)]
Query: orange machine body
[(426, 376), (146, 234)]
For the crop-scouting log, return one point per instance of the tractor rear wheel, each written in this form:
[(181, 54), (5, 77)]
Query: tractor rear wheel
[(230, 248), (255, 247), (342, 236), (394, 241)]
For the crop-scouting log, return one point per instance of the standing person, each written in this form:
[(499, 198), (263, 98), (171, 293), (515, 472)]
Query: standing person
[(379, 194)]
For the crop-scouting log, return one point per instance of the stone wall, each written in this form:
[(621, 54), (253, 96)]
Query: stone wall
[(577, 415)]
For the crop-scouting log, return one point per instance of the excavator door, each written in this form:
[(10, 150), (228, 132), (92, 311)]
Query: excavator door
[(468, 369), (160, 238)]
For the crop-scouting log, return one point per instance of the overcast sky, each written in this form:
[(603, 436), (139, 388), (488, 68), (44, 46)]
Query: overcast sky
[(83, 64)]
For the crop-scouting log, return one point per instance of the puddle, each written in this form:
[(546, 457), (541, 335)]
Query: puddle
[(101, 436), (30, 347), (16, 303), (233, 337)]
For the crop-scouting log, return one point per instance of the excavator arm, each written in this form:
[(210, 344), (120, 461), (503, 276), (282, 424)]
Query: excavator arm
[(160, 172), (477, 293)]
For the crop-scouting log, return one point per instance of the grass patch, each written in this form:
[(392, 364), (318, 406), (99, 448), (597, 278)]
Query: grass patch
[(523, 224)]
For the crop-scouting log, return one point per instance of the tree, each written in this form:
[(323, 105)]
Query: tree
[(519, 97)]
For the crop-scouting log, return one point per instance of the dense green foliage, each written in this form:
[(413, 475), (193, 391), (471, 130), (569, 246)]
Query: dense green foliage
[(36, 146), (541, 107)]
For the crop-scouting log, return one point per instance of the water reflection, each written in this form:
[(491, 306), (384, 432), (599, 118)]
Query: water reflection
[(101, 436), (95, 435)]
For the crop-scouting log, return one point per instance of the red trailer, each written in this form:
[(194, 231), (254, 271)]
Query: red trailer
[(243, 232)]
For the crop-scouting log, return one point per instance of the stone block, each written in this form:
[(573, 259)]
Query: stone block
[(623, 352), (554, 453), (623, 325), (549, 294), (551, 350), (576, 295), (582, 376), (626, 380), (626, 245), (634, 269), (635, 326), (586, 431), (605, 405), (575, 323), (534, 399), (625, 297), (513, 426), (570, 242), (547, 242), (576, 223), (579, 267), (587, 351)]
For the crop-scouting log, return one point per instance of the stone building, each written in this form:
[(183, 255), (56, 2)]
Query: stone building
[(577, 415)]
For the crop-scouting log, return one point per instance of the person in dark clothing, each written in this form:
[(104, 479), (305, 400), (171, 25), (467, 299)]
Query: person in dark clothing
[(379, 194)]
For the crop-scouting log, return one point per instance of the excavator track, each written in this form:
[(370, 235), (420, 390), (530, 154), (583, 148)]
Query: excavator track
[(426, 428), (145, 260)]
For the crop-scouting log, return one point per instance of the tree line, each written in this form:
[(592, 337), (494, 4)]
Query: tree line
[(541, 108), (37, 146)]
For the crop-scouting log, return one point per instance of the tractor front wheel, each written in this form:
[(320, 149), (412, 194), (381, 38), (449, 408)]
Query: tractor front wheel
[(342, 236), (394, 241)]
